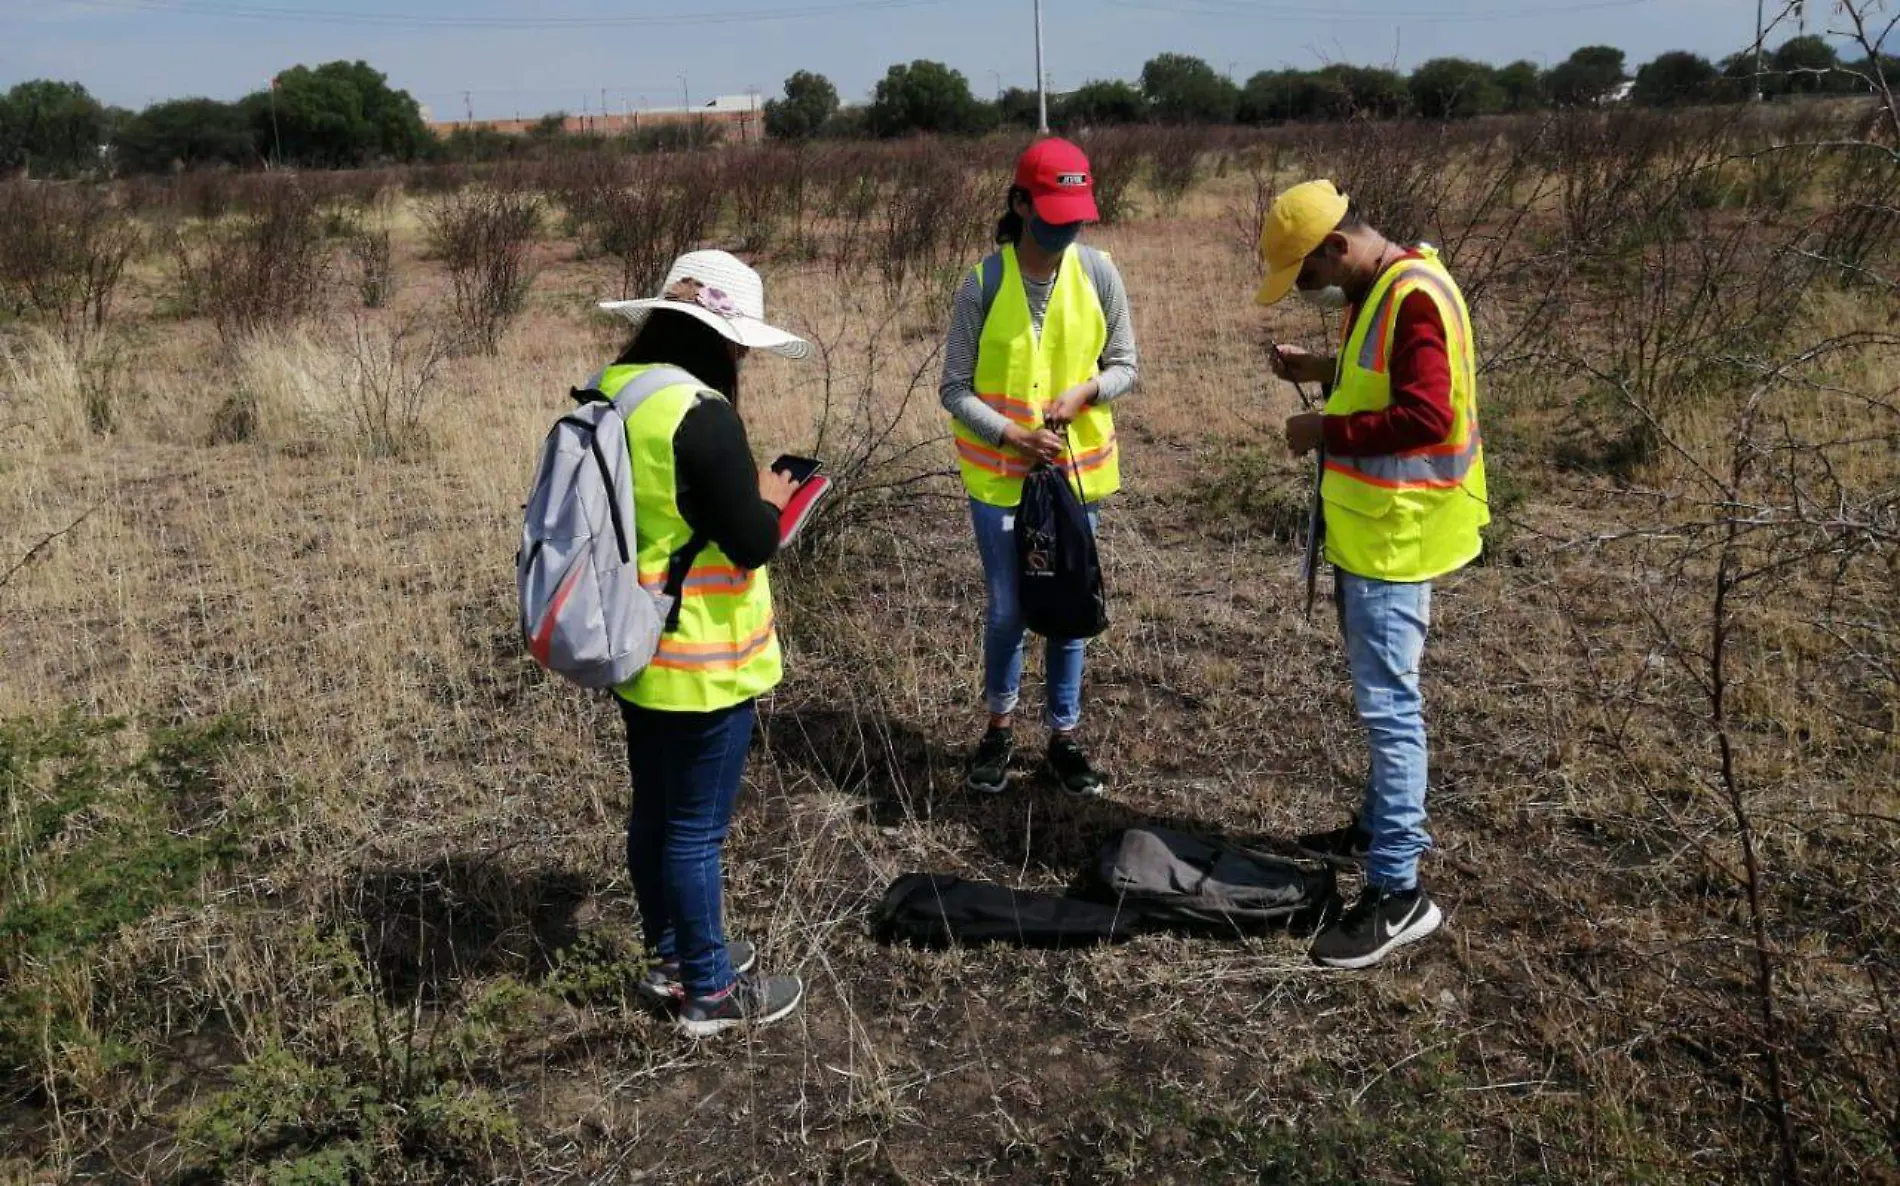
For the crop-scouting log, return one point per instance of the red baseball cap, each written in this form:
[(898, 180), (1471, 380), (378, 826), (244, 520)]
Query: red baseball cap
[(1061, 188)]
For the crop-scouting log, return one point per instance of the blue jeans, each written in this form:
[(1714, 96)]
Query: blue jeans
[(686, 768), (1003, 626), (1385, 624)]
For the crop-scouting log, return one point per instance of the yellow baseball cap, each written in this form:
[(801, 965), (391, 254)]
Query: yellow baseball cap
[(1298, 223)]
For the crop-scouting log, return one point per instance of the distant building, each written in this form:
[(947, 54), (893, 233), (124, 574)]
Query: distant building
[(742, 117)]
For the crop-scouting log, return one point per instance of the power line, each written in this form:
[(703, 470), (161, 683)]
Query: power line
[(563, 90), (1283, 11), (415, 20)]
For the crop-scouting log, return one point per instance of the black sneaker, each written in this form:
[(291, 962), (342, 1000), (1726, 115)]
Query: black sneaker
[(752, 1000), (1071, 767), (1344, 847), (989, 766), (1378, 922), (661, 985)]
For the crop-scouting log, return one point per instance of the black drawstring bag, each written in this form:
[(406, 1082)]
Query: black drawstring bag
[(1059, 570)]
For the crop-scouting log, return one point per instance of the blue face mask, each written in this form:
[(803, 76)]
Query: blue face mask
[(1052, 238)]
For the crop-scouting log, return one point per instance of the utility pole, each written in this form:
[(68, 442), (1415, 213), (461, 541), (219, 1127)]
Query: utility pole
[(1759, 34), (468, 106), (1042, 83), (276, 137), (686, 102)]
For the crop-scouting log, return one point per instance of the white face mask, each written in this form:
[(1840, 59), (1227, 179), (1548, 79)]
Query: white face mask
[(1330, 297)]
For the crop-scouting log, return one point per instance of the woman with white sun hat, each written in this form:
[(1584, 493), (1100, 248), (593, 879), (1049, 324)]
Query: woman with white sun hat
[(700, 503)]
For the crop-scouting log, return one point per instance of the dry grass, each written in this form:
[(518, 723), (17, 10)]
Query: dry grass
[(411, 959)]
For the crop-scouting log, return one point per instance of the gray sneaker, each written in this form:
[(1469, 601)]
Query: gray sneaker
[(752, 1000), (661, 985)]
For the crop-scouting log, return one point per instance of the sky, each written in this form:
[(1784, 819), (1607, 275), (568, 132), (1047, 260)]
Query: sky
[(498, 60)]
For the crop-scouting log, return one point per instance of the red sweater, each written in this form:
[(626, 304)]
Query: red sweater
[(1420, 412)]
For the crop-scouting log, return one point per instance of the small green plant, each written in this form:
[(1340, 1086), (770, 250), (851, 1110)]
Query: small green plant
[(592, 972), (393, 1096), (93, 844), (1251, 486)]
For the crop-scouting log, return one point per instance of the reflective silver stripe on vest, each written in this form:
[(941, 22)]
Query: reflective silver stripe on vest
[(1369, 345), (1431, 466), (1413, 469)]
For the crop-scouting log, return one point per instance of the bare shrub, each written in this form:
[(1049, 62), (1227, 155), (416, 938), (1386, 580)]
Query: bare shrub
[(867, 428), (1115, 158), (205, 194), (1175, 161), (764, 189), (846, 178), (668, 208), (371, 256), (63, 253), (259, 270), (934, 219), (1607, 165), (424, 180), (1762, 525), (1248, 213), (486, 237), (1395, 173), (580, 184), (383, 376)]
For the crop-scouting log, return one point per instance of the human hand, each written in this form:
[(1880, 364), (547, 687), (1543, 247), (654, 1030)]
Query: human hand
[(1305, 432), (1299, 366), (777, 487), (1040, 443)]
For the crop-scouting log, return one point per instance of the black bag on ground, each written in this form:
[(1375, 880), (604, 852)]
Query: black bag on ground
[(937, 910), (1174, 880), (1060, 572)]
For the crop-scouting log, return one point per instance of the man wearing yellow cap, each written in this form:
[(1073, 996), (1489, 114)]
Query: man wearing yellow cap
[(1404, 500)]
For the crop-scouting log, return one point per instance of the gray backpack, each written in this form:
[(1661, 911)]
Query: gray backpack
[(584, 614)]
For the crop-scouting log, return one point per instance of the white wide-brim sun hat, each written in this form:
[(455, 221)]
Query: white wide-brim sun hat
[(726, 294)]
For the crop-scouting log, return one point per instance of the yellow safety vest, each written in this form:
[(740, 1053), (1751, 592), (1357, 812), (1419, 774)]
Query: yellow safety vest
[(725, 650), (1020, 373), (1414, 515)]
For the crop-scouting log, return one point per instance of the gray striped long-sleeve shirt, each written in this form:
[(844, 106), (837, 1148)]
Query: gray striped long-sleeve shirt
[(1119, 365)]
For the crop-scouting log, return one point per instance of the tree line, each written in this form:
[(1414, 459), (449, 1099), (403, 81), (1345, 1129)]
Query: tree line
[(345, 114)]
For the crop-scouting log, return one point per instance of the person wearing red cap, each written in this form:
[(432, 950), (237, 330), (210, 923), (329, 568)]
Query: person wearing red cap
[(1040, 345)]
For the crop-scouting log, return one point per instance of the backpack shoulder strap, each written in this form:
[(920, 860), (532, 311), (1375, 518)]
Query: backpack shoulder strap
[(625, 403), (635, 392), (678, 566), (989, 278), (648, 384)]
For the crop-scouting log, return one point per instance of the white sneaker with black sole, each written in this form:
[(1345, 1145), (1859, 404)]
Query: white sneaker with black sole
[(1379, 923)]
